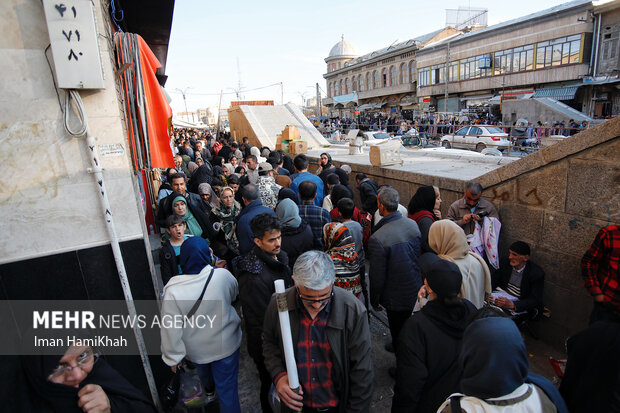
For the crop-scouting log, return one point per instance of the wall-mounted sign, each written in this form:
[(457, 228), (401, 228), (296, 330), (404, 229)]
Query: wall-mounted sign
[(484, 62)]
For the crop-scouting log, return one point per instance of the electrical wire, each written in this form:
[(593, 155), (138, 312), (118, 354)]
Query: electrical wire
[(53, 77), (226, 93), (78, 106)]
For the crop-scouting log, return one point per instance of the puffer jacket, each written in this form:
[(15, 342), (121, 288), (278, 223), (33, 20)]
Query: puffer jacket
[(296, 241), (393, 253), (256, 273)]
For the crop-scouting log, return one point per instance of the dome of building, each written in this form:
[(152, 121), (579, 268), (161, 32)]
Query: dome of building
[(342, 50)]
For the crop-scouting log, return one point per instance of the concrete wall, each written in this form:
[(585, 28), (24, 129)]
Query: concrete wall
[(48, 202), (556, 200)]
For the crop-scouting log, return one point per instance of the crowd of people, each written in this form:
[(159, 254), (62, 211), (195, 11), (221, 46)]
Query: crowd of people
[(236, 218)]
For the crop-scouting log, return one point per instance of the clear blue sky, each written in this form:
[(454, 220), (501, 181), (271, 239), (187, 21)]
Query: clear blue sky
[(287, 41)]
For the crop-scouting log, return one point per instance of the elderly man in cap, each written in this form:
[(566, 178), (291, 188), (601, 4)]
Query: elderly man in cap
[(267, 186), (427, 371), (331, 340), (521, 278)]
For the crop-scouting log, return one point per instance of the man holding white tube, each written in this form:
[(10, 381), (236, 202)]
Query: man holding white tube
[(331, 341)]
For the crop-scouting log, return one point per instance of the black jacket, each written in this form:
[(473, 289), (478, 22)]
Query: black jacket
[(368, 195), (168, 262), (296, 241), (256, 272), (427, 357), (532, 285)]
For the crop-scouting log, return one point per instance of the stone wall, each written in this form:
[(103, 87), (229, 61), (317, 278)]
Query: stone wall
[(556, 200)]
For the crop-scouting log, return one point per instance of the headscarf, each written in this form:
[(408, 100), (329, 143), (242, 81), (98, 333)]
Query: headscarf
[(240, 168), (218, 161), (493, 358), (203, 174), (449, 241), (256, 152), (287, 163), (205, 188), (422, 203), (288, 212), (343, 176), (191, 167), (287, 193), (339, 245), (226, 216), (193, 227), (61, 398), (346, 168), (230, 168), (195, 255)]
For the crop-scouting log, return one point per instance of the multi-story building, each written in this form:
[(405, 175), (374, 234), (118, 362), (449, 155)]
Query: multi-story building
[(569, 53), (384, 78)]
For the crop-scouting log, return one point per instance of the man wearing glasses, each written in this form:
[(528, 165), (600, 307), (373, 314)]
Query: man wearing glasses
[(331, 339)]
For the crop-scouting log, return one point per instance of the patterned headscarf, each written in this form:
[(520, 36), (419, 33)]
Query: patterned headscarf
[(226, 216), (340, 247)]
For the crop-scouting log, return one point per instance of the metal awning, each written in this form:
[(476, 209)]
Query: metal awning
[(557, 93)]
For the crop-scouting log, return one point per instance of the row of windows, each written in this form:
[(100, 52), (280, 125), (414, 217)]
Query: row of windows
[(557, 52), (395, 75)]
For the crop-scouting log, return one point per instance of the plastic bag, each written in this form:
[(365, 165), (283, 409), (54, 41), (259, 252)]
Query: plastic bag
[(191, 393)]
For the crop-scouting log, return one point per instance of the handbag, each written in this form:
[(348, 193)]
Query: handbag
[(170, 393)]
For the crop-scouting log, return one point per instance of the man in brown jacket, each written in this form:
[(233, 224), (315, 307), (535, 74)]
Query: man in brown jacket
[(331, 338), (471, 208)]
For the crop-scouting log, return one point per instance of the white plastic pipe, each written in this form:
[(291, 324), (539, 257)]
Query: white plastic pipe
[(287, 338)]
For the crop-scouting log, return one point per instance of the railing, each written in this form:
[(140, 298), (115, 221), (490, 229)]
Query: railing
[(523, 140)]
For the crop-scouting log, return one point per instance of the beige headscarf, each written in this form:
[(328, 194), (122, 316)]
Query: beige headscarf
[(448, 240)]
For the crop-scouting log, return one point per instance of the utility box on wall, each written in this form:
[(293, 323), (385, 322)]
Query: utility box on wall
[(75, 47)]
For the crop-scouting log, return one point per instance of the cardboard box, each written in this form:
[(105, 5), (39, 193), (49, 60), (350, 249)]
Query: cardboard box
[(384, 154), (297, 147), (290, 133)]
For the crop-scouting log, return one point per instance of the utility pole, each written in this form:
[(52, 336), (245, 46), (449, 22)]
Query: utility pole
[(239, 85), (219, 109), (447, 74), (282, 93), (318, 104)]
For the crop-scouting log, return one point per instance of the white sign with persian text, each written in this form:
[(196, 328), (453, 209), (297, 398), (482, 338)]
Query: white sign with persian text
[(75, 48)]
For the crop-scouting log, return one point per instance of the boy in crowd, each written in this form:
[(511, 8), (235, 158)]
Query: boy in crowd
[(171, 249)]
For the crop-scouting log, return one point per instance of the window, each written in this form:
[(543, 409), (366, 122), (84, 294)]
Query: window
[(360, 82), (329, 90), (610, 47), (375, 79), (404, 76), (462, 131), (354, 84), (368, 81), (340, 88), (475, 131), (384, 79), (424, 76), (412, 71), (557, 52), (393, 76), (347, 86)]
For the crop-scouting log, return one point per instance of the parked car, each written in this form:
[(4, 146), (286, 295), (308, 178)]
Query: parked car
[(477, 137), (373, 138)]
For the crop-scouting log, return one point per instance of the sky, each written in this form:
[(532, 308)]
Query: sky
[(214, 46)]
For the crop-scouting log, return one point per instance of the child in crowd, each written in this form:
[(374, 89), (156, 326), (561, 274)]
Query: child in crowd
[(171, 249)]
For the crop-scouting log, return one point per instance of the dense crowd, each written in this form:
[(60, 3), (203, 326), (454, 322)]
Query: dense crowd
[(235, 218)]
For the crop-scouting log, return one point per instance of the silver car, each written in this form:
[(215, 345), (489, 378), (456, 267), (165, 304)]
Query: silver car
[(477, 137)]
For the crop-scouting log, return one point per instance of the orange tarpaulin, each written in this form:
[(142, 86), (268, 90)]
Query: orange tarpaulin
[(158, 110)]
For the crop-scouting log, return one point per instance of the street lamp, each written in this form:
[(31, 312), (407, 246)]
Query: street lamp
[(183, 92)]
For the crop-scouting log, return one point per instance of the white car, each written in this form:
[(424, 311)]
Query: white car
[(477, 137), (373, 138)]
